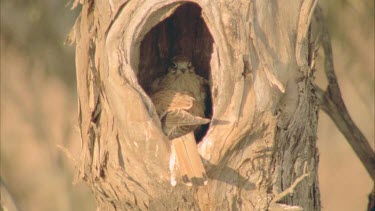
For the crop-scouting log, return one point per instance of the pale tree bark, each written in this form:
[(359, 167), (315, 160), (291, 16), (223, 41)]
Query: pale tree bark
[(260, 147)]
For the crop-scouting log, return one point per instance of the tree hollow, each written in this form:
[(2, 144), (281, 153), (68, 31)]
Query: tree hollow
[(183, 33)]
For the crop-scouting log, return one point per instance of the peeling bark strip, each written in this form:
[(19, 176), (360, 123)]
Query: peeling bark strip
[(261, 143)]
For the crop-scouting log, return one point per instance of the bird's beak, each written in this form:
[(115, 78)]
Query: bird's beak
[(183, 70)]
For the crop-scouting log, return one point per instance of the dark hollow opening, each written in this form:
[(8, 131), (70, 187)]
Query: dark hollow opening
[(183, 33)]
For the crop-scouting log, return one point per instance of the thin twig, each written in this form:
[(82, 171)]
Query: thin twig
[(68, 155), (7, 201), (332, 103), (290, 190)]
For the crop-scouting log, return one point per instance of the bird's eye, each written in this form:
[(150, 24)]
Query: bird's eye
[(174, 65)]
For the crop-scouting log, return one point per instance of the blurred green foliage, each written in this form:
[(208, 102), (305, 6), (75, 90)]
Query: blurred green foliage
[(38, 28), (38, 106), (360, 10)]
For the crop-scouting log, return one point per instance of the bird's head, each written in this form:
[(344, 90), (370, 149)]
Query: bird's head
[(180, 65)]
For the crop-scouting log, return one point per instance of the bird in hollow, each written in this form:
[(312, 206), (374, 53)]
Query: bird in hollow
[(179, 99)]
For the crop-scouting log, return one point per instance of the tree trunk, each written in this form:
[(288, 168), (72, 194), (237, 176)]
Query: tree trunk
[(259, 150)]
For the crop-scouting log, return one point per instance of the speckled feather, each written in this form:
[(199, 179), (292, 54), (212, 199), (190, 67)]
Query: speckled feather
[(177, 92), (179, 99)]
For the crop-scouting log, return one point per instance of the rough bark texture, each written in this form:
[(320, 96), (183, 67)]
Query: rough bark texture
[(260, 147)]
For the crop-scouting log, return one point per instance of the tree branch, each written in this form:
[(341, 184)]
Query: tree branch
[(290, 190), (371, 200), (332, 103)]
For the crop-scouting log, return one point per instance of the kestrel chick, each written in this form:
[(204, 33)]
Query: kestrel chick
[(179, 99)]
